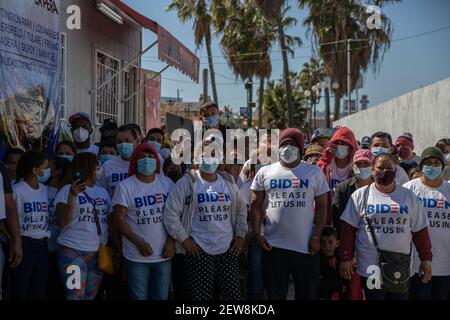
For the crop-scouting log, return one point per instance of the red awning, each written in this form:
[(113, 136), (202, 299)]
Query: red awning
[(171, 51), (139, 18)]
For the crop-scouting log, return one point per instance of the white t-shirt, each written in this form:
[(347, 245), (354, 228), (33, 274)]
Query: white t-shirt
[(246, 192), (81, 233), (32, 206), (290, 193), (393, 216), (337, 175), (211, 224), (52, 223), (401, 177), (145, 203), (113, 172), (436, 205), (92, 149)]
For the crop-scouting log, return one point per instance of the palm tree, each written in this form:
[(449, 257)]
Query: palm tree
[(199, 10), (247, 38), (273, 10), (332, 23)]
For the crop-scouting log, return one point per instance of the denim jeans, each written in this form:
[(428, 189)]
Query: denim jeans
[(255, 281), (148, 281), (438, 288), (29, 278)]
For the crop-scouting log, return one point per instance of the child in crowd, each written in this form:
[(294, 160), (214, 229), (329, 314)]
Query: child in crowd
[(331, 284)]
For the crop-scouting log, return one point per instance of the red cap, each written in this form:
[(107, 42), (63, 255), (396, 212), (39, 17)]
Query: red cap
[(363, 155), (294, 134), (134, 157)]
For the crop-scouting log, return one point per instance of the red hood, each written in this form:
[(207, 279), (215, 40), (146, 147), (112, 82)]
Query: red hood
[(346, 135), (134, 157)]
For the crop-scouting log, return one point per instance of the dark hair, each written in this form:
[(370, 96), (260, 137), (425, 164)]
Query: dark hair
[(29, 160), (127, 127), (83, 163), (107, 143), (390, 157), (136, 128), (413, 171), (12, 151), (68, 143), (381, 134), (442, 143), (329, 231), (154, 130)]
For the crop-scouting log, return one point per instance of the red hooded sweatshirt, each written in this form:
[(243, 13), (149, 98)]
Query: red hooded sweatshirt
[(342, 134), (132, 169)]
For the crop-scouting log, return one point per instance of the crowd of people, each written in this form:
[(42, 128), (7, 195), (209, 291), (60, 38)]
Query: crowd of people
[(324, 216)]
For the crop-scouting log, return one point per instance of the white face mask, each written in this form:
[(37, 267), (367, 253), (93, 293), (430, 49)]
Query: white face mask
[(341, 151), (80, 135), (288, 154)]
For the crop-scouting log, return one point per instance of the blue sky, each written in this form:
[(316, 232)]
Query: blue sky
[(408, 65)]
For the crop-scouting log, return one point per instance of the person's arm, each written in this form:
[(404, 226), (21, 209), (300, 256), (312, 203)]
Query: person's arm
[(241, 227), (338, 206), (257, 214), (320, 218), (173, 209), (13, 226), (64, 209), (120, 214)]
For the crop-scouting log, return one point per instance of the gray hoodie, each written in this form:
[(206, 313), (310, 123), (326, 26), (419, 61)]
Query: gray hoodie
[(181, 206)]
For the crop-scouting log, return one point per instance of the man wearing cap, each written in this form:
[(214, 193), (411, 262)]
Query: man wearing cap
[(81, 127), (210, 116), (365, 142), (291, 238), (322, 136), (313, 154), (108, 129), (405, 146), (434, 195)]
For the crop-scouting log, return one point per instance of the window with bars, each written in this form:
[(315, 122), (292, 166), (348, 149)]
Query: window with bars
[(63, 76), (108, 95)]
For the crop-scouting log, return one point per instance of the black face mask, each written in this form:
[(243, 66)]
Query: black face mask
[(173, 175)]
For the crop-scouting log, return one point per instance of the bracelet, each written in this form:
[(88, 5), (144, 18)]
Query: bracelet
[(427, 262)]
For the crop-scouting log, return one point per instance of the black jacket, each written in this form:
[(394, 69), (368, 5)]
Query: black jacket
[(340, 198)]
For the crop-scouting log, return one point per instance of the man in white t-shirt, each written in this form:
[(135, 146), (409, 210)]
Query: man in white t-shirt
[(81, 127), (116, 170), (382, 143), (296, 195), (434, 195)]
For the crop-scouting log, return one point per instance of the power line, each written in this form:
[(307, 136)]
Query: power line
[(306, 47)]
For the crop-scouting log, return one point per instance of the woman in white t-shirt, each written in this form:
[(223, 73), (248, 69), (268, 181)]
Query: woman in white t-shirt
[(29, 278), (434, 195), (205, 214), (397, 220), (64, 153), (79, 205), (138, 205)]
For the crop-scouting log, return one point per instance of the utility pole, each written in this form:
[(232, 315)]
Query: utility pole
[(249, 87), (205, 85), (327, 106), (349, 90)]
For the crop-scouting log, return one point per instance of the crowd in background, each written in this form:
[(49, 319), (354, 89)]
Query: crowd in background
[(318, 218)]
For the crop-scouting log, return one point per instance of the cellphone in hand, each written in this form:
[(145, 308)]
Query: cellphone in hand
[(77, 176)]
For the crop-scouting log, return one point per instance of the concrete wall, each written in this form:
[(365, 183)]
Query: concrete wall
[(123, 42), (425, 113)]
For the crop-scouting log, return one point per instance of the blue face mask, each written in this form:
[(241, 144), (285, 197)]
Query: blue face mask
[(432, 172), (125, 150), (66, 156), (212, 121), (156, 145), (45, 176), (363, 173), (106, 157), (209, 167), (146, 166), (379, 150)]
